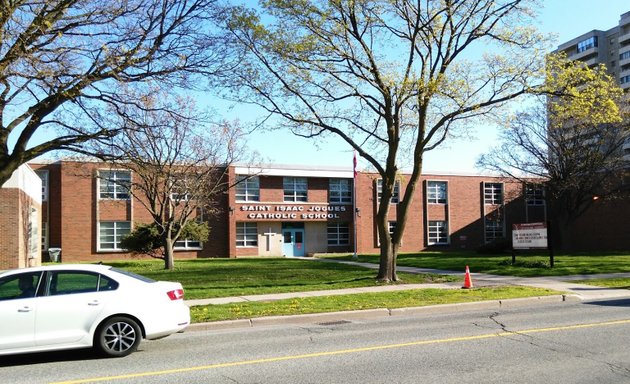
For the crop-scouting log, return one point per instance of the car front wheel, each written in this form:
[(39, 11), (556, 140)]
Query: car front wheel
[(118, 336)]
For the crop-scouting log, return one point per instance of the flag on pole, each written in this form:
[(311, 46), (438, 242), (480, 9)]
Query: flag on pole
[(354, 205)]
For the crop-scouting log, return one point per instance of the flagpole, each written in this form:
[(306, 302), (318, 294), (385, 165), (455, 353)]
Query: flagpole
[(354, 204)]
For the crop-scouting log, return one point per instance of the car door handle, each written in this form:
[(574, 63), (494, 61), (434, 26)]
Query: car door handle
[(94, 303), (25, 309)]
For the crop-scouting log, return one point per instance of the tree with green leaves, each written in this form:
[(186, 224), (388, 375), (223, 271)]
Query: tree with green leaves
[(148, 239), (570, 139), (62, 63), (392, 78)]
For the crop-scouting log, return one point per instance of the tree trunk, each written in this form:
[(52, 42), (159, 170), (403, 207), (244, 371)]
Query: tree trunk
[(169, 261), (7, 167), (387, 265)]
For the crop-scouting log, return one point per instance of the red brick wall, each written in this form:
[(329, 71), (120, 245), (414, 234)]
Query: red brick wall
[(74, 212), (9, 233), (604, 227), (464, 212)]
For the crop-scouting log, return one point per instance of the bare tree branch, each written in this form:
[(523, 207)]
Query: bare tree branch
[(393, 79), (62, 62)]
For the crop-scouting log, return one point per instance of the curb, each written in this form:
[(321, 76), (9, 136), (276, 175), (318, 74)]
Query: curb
[(330, 317)]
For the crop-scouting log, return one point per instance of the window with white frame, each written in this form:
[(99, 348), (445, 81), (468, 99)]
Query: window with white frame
[(437, 232), (535, 194), (247, 188), (493, 193), (338, 234), (295, 189), (187, 244), (34, 235), (179, 191), (391, 228), (246, 235), (379, 191), (437, 192), (114, 184), (494, 228), (111, 233), (340, 191), (44, 236), (43, 174)]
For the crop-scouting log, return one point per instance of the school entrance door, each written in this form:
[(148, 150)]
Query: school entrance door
[(293, 241)]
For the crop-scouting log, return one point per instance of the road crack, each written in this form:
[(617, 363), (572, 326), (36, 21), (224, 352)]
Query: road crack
[(556, 347)]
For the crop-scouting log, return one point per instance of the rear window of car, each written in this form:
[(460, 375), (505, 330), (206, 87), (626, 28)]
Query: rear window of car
[(71, 282), (134, 275)]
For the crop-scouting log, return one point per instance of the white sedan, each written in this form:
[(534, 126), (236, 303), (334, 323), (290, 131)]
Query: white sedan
[(77, 306)]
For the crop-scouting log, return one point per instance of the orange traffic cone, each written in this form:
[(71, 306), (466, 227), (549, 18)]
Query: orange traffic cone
[(467, 279)]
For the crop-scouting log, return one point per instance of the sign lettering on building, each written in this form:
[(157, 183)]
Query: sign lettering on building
[(293, 212)]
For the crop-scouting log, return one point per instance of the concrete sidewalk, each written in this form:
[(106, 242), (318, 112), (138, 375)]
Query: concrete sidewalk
[(571, 292)]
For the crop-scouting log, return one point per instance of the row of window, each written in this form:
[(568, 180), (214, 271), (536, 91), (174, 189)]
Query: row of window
[(340, 191), (587, 44), (493, 193), (295, 189), (110, 234), (114, 184), (338, 234)]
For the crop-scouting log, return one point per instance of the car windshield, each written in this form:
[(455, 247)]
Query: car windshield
[(134, 275)]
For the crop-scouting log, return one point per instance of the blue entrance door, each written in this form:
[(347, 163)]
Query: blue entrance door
[(293, 242)]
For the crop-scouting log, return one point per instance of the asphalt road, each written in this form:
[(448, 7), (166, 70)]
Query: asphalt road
[(571, 342)]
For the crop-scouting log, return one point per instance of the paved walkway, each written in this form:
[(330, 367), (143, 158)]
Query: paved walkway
[(557, 283)]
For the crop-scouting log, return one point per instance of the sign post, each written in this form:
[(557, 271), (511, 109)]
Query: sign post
[(530, 236)]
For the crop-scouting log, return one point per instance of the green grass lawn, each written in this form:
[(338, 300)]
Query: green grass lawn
[(399, 299), (210, 278), (526, 265), (620, 283)]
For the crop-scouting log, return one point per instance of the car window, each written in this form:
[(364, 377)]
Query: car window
[(107, 284), (20, 286), (71, 282)]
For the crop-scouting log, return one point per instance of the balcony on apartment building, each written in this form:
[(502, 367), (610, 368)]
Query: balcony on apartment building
[(624, 77), (586, 55), (624, 56)]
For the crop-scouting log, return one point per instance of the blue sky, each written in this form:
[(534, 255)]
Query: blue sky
[(566, 19)]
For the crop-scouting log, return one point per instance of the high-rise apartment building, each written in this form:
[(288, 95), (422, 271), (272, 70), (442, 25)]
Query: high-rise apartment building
[(610, 47)]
